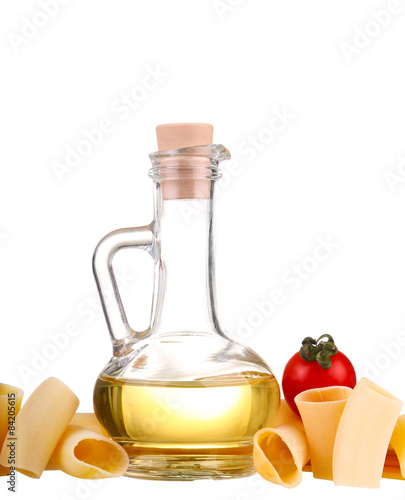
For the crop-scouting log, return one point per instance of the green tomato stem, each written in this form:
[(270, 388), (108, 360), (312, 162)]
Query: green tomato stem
[(319, 350)]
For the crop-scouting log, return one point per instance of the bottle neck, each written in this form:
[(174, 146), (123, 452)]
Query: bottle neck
[(185, 295)]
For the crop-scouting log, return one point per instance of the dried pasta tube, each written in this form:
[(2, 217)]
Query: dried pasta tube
[(280, 452), (285, 415), (398, 443), (391, 468), (10, 404), (321, 410), (364, 433), (39, 426), (88, 420), (89, 455)]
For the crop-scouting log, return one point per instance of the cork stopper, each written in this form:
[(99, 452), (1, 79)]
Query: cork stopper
[(184, 135), (185, 176)]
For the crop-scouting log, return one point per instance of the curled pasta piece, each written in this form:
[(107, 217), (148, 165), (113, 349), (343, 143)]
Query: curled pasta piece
[(321, 410), (364, 433), (391, 467), (88, 420), (86, 454), (286, 416), (280, 452), (39, 426), (10, 404), (398, 443)]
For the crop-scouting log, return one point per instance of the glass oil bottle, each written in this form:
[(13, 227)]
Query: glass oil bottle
[(182, 397)]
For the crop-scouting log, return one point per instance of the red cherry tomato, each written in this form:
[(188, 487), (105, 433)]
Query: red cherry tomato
[(300, 375)]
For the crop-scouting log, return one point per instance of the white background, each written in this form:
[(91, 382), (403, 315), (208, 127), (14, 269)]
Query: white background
[(334, 171)]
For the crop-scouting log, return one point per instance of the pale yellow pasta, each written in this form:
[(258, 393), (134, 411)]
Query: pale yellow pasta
[(286, 416), (10, 404), (39, 426), (88, 420), (391, 467), (397, 442), (321, 410), (364, 433), (88, 455), (280, 452)]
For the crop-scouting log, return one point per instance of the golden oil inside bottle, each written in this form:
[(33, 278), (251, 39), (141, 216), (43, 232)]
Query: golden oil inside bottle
[(206, 425)]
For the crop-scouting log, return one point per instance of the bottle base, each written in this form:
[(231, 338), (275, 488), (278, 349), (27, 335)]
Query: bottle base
[(182, 467)]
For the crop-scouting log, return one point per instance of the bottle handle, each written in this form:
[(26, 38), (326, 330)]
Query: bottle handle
[(134, 237)]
